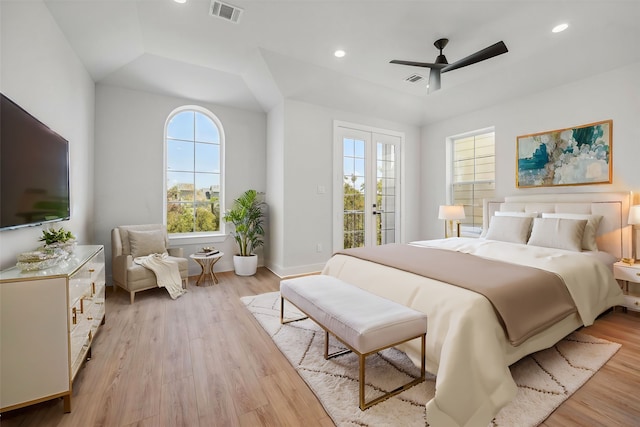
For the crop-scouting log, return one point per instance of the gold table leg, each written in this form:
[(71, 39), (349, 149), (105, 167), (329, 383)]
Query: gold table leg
[(206, 265)]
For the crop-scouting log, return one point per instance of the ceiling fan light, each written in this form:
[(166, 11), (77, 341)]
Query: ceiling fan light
[(560, 28), (434, 81)]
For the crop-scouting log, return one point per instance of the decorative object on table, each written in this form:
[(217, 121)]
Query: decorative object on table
[(451, 214), (58, 239), (39, 259), (634, 222), (247, 216), (207, 251), (573, 156)]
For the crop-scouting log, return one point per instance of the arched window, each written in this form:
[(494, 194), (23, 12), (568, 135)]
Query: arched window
[(194, 145)]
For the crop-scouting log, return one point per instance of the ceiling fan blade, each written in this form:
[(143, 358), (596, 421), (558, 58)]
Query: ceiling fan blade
[(418, 64), (434, 80), (481, 55)]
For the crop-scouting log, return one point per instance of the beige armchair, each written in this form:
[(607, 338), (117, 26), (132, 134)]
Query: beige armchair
[(131, 241)]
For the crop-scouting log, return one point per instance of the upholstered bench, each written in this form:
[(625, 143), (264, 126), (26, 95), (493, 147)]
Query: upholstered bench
[(365, 323)]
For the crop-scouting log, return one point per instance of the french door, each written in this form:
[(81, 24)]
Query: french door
[(367, 193)]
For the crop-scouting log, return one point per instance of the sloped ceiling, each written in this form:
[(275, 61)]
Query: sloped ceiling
[(284, 49)]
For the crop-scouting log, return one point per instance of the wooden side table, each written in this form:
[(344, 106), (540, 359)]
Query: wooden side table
[(206, 263)]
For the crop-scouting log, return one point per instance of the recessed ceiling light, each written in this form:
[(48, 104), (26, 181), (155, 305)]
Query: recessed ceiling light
[(560, 28), (180, 1), (339, 53)]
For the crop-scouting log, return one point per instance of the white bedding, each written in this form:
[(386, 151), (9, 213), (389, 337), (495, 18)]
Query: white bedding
[(466, 346)]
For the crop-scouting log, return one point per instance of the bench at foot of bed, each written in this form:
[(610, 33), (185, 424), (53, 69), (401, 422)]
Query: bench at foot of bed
[(365, 323)]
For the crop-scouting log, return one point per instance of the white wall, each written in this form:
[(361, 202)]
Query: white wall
[(305, 215), (274, 253), (40, 72), (130, 160), (613, 95)]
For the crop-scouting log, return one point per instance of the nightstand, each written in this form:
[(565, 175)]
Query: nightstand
[(628, 273)]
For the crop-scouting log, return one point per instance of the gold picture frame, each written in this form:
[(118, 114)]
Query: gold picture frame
[(579, 155)]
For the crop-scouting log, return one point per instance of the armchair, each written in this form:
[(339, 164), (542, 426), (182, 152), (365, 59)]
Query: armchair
[(131, 241)]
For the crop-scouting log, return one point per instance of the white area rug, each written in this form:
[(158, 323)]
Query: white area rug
[(545, 379)]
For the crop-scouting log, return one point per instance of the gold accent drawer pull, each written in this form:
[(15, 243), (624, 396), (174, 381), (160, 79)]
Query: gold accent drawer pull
[(91, 270), (74, 314)]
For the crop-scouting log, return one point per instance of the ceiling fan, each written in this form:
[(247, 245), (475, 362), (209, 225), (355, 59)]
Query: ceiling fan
[(442, 66)]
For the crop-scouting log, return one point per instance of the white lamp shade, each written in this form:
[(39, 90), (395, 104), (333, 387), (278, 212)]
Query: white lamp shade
[(634, 215), (451, 212)]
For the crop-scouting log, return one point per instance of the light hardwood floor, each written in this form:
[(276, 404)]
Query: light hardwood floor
[(202, 360)]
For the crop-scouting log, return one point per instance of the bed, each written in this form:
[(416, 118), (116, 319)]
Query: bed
[(467, 347)]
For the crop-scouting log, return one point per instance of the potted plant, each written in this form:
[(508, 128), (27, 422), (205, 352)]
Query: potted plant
[(247, 217), (58, 239)]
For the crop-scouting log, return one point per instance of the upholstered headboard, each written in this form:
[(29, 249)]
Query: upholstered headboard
[(613, 235)]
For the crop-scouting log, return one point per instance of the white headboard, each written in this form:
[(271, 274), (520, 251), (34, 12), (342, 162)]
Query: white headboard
[(614, 234)]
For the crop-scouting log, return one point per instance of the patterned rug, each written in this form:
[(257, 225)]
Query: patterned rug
[(545, 379)]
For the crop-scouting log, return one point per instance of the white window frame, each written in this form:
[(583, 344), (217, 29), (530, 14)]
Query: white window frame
[(197, 237), (466, 231)]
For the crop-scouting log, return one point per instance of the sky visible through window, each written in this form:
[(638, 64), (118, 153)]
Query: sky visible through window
[(193, 151)]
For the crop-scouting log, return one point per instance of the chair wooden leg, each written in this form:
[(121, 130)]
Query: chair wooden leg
[(132, 295)]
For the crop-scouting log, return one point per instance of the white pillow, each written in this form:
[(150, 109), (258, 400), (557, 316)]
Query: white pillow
[(509, 229), (559, 233), (510, 213), (518, 214), (590, 231)]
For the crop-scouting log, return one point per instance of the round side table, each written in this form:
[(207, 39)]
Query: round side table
[(206, 264)]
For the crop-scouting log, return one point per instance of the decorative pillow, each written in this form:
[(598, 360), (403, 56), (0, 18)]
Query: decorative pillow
[(590, 231), (518, 214), (510, 213), (509, 229), (559, 233), (144, 243)]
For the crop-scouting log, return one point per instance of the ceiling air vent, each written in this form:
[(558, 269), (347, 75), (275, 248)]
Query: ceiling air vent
[(225, 11), (414, 78)]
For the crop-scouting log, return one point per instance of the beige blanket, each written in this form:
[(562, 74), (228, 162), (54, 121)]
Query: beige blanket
[(166, 271), (527, 300), (466, 346)]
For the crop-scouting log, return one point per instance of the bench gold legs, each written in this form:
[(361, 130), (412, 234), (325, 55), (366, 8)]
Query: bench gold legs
[(364, 405), (328, 356), (282, 320), (362, 360)]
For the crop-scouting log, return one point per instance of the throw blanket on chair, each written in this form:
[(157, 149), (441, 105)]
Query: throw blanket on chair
[(166, 271)]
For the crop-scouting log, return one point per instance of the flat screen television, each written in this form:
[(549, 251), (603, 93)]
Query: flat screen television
[(34, 170)]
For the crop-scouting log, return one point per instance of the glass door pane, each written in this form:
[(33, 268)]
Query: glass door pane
[(385, 193), (354, 174)]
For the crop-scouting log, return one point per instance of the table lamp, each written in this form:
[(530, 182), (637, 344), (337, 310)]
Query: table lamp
[(634, 221), (451, 213)]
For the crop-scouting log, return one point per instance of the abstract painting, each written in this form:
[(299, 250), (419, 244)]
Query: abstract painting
[(574, 156)]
